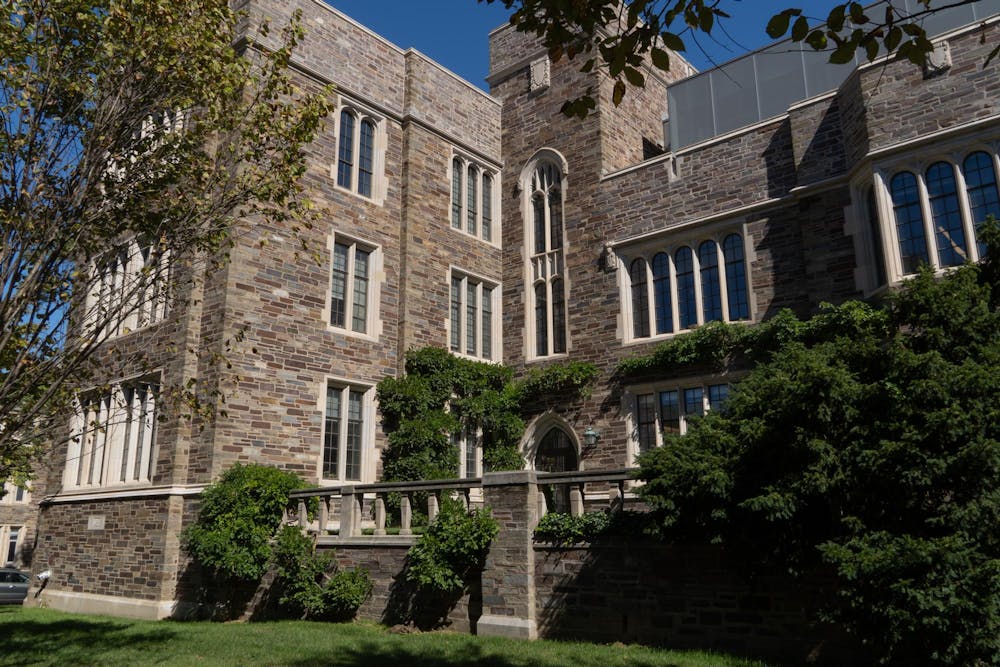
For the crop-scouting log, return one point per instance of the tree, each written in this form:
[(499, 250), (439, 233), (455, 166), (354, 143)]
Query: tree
[(625, 37), (134, 136), (866, 440)]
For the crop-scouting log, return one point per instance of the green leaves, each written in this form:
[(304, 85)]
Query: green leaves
[(452, 549)]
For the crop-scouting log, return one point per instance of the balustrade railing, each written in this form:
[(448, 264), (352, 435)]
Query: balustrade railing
[(577, 482)]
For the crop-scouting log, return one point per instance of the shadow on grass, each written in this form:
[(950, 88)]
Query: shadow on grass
[(28, 642)]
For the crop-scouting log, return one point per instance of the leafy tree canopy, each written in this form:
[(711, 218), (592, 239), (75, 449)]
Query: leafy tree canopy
[(132, 132), (867, 440), (624, 37)]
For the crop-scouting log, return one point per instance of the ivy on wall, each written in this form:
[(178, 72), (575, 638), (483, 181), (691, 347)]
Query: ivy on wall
[(442, 394)]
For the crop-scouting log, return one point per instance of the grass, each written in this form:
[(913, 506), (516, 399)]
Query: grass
[(45, 637)]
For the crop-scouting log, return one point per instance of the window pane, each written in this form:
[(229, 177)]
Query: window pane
[(687, 306), (645, 417), (456, 314), (711, 289), (558, 317), (670, 412), (331, 434), (909, 221), (354, 430), (946, 215), (541, 321), (471, 305), (640, 299), (555, 219), (736, 278), (338, 288), (981, 184), (15, 531), (345, 163), (487, 332), (717, 395), (694, 401), (456, 193), (472, 187), (661, 293), (366, 153), (487, 207), (470, 454), (538, 204), (360, 314)]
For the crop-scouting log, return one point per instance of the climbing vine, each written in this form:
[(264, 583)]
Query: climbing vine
[(442, 394)]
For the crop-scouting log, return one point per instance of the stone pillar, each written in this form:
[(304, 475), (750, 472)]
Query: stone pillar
[(508, 581)]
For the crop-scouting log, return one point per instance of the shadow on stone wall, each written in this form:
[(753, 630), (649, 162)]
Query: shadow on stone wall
[(409, 604), (682, 597)]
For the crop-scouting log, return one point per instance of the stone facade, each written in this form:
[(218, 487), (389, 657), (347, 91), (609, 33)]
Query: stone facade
[(791, 188)]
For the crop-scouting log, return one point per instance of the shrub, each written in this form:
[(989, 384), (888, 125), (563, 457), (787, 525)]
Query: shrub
[(239, 515), (311, 585), (565, 529), (454, 546)]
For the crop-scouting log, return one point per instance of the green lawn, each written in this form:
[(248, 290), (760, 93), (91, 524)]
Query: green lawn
[(44, 637)]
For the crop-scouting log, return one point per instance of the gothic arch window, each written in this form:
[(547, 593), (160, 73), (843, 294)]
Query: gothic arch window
[(544, 188)]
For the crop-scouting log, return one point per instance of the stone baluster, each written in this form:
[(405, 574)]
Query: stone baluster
[(380, 514), (324, 513), (616, 499), (405, 514), (576, 499), (432, 506), (303, 515), (543, 507), (350, 512)]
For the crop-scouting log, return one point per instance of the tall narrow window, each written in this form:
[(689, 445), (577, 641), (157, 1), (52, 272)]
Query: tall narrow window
[(487, 323), (456, 193), (351, 286), (876, 234), (736, 278), (344, 434), (661, 293), (711, 289), (670, 412), (945, 214), (456, 314), (471, 212), (717, 396), (11, 550), (487, 231), (345, 160), (694, 401), (471, 308), (645, 417), (981, 187), (366, 158), (687, 306), (547, 260), (640, 299), (909, 221)]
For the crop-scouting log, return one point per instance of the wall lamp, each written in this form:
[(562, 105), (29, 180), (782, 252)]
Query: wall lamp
[(591, 436)]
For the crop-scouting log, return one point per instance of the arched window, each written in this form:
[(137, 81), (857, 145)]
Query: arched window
[(456, 193), (366, 158), (472, 191), (981, 188), (471, 210), (687, 306), (546, 260), (736, 278), (345, 160), (556, 453), (909, 220), (945, 214), (661, 293), (640, 299), (487, 223), (711, 289)]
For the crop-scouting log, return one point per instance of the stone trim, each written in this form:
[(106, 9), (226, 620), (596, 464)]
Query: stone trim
[(118, 494), (111, 605)]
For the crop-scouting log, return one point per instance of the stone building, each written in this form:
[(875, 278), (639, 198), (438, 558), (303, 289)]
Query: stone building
[(491, 225)]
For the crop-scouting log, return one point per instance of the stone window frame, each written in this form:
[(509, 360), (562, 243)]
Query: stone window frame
[(376, 278), (669, 243), (546, 171), (379, 179), (129, 289), (11, 494), (631, 409), (496, 329), (871, 216), (6, 542), (460, 213), (129, 421), (367, 444), (462, 439)]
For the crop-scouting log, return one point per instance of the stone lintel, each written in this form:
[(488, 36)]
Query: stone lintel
[(490, 625)]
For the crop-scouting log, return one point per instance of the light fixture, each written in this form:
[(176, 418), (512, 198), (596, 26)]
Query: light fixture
[(591, 436)]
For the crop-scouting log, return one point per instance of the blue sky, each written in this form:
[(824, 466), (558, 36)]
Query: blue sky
[(454, 32)]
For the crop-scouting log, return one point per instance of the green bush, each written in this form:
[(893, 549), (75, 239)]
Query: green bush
[(311, 585), (565, 529), (453, 547), (237, 519)]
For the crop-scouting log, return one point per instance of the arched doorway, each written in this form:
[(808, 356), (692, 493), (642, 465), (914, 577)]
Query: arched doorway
[(556, 453)]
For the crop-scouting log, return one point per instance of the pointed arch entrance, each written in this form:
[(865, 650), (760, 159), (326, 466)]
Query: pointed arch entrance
[(550, 446)]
